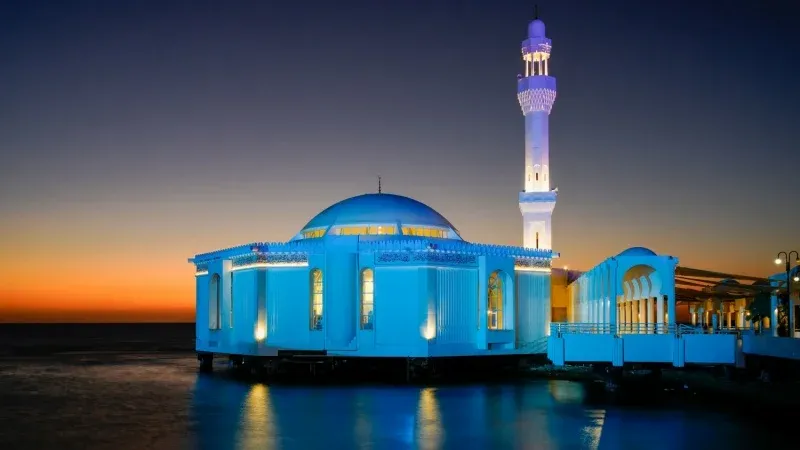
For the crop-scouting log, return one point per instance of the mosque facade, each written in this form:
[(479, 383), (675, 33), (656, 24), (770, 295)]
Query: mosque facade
[(383, 275)]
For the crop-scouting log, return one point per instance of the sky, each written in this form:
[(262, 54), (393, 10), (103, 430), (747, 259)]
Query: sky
[(135, 134)]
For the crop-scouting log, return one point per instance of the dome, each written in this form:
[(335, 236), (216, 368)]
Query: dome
[(389, 210), (536, 29), (638, 251)]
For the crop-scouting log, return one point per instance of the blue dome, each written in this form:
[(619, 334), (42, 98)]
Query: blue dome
[(638, 251), (386, 209)]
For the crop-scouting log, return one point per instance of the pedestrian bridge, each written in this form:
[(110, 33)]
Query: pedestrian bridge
[(643, 343)]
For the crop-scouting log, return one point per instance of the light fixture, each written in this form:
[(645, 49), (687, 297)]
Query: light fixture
[(778, 261), (261, 333), (796, 278)]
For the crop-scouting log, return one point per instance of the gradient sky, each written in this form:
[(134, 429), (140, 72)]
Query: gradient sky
[(135, 134)]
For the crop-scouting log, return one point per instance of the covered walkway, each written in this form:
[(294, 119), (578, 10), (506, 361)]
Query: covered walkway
[(624, 310)]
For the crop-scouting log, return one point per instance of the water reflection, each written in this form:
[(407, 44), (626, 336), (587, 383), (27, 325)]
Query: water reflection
[(228, 414), (429, 423)]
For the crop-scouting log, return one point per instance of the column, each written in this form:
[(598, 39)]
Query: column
[(693, 311), (671, 316), (628, 314), (729, 314), (773, 315), (651, 314), (740, 318)]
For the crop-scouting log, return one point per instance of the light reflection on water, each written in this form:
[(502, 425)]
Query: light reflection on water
[(532, 415), (158, 401)]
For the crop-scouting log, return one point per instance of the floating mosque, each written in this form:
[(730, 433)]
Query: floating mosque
[(383, 276)]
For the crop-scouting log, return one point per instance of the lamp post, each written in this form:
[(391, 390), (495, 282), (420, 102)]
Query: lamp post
[(788, 267)]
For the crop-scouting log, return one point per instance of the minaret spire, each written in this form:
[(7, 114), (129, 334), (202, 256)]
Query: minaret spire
[(536, 11), (379, 184), (536, 92)]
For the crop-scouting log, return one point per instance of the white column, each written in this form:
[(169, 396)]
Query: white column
[(660, 311), (773, 315), (740, 318), (729, 313)]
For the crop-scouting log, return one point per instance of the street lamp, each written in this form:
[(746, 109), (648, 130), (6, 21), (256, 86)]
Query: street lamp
[(788, 268)]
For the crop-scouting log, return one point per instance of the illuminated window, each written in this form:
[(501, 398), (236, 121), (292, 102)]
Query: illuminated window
[(367, 299), (214, 294), (424, 232), (371, 229), (495, 301), (313, 234), (316, 299)]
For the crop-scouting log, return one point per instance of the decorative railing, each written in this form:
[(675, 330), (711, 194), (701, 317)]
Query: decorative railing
[(561, 328)]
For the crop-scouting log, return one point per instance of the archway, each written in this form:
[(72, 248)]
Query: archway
[(642, 307)]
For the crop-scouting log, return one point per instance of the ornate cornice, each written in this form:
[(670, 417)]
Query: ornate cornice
[(425, 257)]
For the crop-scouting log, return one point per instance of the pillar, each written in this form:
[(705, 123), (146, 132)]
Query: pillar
[(730, 314), (740, 318), (651, 314), (773, 314), (693, 311)]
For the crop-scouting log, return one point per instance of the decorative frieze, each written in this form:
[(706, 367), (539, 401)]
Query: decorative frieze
[(270, 258), (392, 244), (530, 263), (426, 257)]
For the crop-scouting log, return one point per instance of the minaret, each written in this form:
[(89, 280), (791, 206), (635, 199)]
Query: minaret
[(536, 92)]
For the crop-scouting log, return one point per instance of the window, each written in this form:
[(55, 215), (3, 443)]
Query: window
[(230, 313), (424, 232), (367, 299), (367, 229), (313, 233), (537, 240), (214, 294), (495, 302), (316, 299), (537, 176)]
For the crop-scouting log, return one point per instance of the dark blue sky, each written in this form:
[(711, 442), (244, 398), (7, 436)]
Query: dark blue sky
[(174, 127)]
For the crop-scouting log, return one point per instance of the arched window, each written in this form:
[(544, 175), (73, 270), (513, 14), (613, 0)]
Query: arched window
[(316, 299), (537, 240), (230, 313), (214, 294), (367, 299), (495, 301), (537, 176)]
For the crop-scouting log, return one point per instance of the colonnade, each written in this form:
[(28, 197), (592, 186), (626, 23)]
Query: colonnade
[(625, 294)]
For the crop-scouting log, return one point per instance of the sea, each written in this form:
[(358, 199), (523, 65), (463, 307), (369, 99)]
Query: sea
[(137, 386)]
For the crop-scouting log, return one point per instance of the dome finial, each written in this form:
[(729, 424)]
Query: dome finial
[(379, 184), (536, 11)]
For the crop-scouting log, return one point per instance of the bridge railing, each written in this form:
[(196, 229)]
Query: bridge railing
[(559, 329)]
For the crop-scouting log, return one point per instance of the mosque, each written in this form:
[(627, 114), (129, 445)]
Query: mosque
[(383, 275)]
